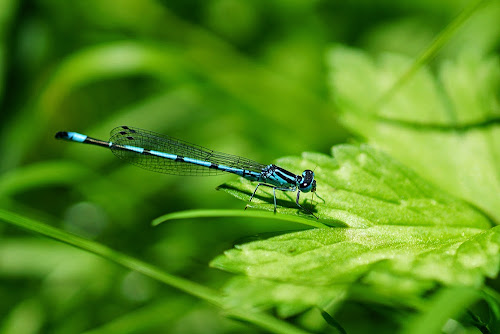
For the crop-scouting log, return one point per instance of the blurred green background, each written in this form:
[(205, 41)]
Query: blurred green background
[(242, 77)]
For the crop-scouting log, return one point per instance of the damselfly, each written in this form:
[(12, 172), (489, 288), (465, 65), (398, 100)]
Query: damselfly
[(164, 154)]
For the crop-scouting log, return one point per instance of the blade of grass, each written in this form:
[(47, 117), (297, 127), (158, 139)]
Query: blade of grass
[(448, 304), (36, 175), (150, 317), (492, 297), (235, 213), (7, 14), (429, 52), (261, 320)]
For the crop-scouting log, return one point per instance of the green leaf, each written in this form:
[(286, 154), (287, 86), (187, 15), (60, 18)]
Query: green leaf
[(287, 297), (324, 257), (362, 187), (445, 126), (315, 267), (407, 235)]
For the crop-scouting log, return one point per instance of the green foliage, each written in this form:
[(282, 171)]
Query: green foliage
[(139, 266), (443, 307), (403, 235), (406, 237), (404, 242), (362, 187), (446, 127)]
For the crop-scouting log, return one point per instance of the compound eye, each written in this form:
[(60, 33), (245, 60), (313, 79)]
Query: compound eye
[(308, 181)]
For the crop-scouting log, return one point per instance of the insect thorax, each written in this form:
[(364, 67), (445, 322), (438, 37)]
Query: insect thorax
[(278, 176)]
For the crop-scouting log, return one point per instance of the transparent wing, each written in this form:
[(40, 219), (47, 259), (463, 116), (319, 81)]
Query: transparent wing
[(149, 140)]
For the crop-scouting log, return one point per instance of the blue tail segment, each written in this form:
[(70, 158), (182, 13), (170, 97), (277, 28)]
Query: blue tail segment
[(79, 138), (71, 136), (165, 154)]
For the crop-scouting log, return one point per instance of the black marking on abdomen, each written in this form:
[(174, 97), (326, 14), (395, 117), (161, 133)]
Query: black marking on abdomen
[(213, 166), (179, 158), (90, 140), (62, 135), (147, 152)]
